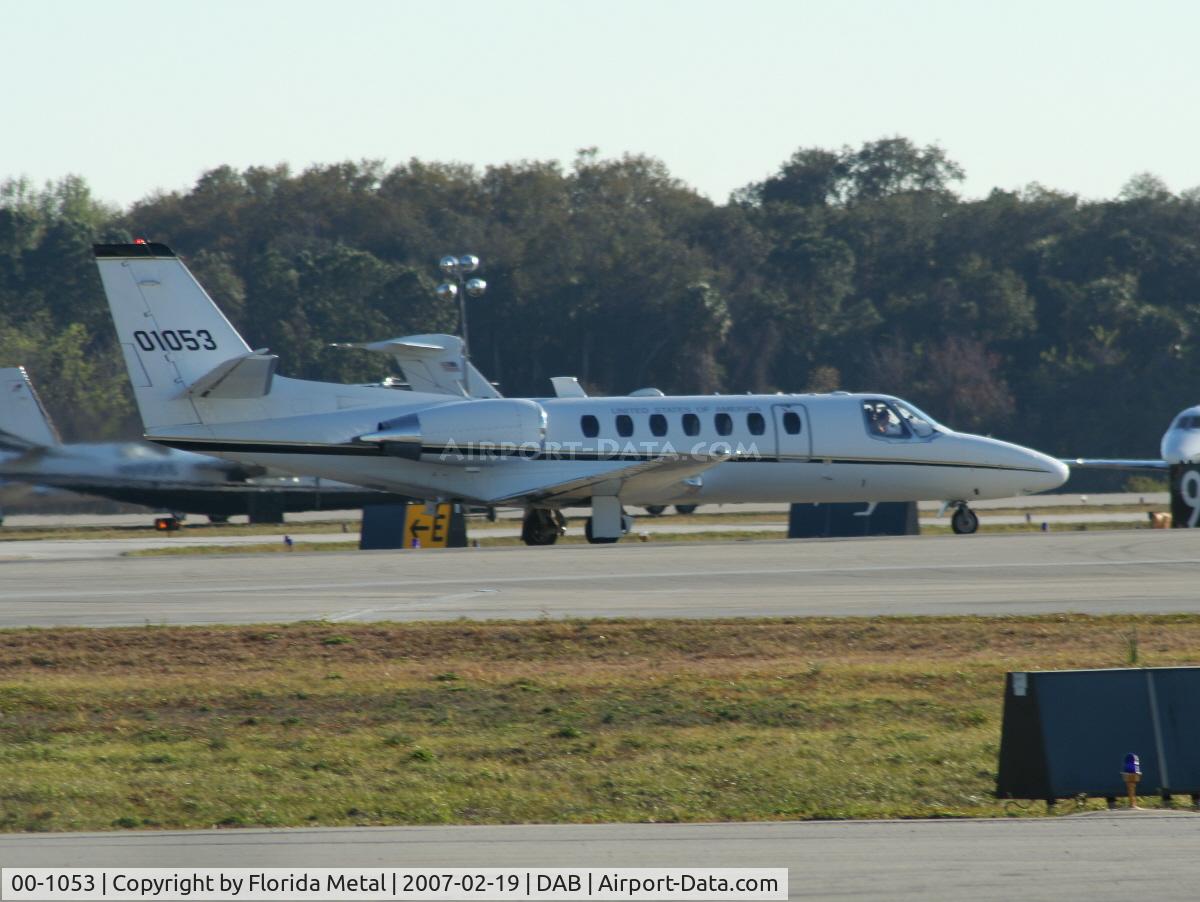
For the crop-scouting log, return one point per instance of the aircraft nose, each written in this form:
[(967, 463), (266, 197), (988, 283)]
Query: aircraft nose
[(1060, 472), (1051, 472), (1179, 446)]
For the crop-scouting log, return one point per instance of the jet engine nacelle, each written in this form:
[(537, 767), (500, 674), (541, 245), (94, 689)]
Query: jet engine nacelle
[(465, 427)]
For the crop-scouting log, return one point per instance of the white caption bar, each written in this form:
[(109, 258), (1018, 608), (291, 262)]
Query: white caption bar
[(270, 884)]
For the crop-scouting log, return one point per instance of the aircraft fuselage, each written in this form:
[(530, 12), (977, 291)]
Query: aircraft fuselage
[(782, 447)]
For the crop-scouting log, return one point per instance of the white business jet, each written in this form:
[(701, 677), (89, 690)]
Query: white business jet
[(141, 473), (200, 387), (1180, 449), (1180, 444)]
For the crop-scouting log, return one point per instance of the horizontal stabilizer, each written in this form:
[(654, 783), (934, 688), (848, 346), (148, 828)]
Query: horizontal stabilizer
[(248, 376)]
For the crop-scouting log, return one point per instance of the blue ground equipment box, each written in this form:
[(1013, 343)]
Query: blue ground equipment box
[(819, 521), (1067, 732)]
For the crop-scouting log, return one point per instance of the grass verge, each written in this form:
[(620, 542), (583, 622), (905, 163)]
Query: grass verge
[(585, 721)]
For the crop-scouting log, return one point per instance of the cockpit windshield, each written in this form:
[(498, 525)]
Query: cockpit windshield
[(1190, 422), (897, 420), (921, 424)]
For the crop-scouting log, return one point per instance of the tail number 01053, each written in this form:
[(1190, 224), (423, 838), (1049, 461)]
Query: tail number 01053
[(175, 340)]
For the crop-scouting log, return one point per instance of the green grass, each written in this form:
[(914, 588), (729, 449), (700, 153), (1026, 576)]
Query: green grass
[(526, 722)]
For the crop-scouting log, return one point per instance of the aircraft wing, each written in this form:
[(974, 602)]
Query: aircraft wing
[(10, 442), (646, 476), (1087, 463)]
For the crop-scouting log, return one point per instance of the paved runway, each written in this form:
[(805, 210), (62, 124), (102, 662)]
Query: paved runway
[(42, 521), (1101, 856), (1098, 572), (74, 549)]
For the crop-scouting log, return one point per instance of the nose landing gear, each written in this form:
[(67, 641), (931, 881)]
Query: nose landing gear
[(965, 521)]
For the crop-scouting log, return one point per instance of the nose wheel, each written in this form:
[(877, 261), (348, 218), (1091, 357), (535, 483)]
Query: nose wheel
[(964, 522)]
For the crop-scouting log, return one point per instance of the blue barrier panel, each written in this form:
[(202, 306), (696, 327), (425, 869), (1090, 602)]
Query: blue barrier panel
[(1066, 733), (815, 521)]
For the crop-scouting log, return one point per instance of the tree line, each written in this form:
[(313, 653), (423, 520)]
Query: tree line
[(1034, 315)]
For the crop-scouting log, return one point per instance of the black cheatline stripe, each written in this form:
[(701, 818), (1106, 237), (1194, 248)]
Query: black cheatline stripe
[(932, 463), (372, 450)]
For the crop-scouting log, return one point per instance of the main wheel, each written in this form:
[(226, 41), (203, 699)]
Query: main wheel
[(597, 540), (655, 510), (965, 521), (686, 508), (541, 527)]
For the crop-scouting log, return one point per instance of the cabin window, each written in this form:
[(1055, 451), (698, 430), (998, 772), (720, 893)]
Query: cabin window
[(691, 424), (658, 424), (590, 425), (791, 422), (624, 425), (724, 423), (755, 423)]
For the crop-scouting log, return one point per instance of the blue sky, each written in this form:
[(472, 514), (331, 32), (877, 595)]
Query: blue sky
[(137, 97)]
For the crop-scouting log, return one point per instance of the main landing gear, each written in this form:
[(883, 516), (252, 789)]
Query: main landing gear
[(542, 526), (626, 525), (606, 525), (656, 510), (964, 522)]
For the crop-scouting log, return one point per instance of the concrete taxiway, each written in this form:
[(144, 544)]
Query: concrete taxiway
[(72, 549), (1147, 571), (927, 508), (1119, 855)]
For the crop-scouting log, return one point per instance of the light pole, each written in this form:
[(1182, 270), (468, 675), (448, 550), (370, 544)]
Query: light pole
[(457, 269)]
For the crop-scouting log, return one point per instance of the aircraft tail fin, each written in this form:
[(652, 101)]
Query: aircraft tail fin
[(24, 422), (172, 335)]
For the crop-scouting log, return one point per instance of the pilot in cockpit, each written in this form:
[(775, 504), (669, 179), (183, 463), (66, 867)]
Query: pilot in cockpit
[(879, 420), (884, 422)]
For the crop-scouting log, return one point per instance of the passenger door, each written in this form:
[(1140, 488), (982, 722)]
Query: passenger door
[(793, 435)]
